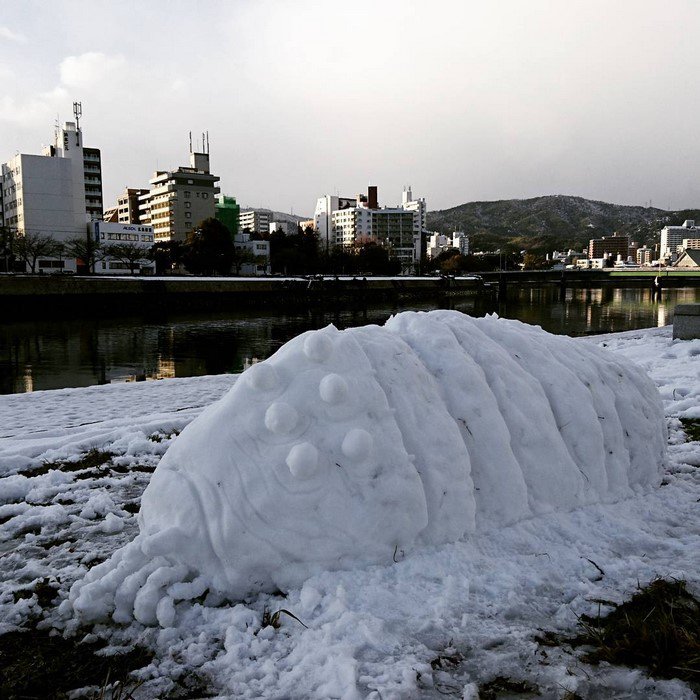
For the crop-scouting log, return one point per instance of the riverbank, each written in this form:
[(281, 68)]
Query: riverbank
[(26, 294), (23, 295), (73, 465)]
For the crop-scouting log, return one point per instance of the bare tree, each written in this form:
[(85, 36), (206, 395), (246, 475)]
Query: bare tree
[(85, 249), (242, 256), (131, 254), (29, 247)]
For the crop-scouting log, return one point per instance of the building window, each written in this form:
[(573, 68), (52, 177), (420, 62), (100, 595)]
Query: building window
[(205, 195), (187, 194), (188, 205), (188, 214)]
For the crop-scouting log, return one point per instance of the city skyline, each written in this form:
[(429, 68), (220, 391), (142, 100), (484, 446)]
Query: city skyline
[(465, 102)]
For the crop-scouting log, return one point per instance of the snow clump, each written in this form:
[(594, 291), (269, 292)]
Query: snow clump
[(348, 448)]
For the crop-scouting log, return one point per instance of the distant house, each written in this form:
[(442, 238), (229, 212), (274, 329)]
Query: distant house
[(689, 259)]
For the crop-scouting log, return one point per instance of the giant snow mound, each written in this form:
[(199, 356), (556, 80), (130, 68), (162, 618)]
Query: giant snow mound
[(347, 448)]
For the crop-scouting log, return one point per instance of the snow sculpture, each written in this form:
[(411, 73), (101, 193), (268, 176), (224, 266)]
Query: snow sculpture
[(346, 448)]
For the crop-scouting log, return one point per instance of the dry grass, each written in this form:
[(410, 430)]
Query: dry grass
[(658, 628)]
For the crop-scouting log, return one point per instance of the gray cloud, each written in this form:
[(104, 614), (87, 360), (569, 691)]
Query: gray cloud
[(463, 100)]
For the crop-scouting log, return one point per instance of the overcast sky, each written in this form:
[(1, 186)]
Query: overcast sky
[(464, 100)]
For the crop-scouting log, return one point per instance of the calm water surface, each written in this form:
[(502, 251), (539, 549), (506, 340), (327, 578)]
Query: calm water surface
[(52, 354)]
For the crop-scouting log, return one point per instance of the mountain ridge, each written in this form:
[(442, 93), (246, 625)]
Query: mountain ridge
[(553, 222)]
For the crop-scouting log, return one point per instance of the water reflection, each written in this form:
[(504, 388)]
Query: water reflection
[(80, 352)]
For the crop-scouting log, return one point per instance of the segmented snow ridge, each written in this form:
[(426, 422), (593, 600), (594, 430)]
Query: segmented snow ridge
[(348, 448)]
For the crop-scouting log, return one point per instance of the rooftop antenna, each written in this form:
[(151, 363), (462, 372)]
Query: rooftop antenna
[(203, 142), (78, 112), (190, 142), (207, 142)]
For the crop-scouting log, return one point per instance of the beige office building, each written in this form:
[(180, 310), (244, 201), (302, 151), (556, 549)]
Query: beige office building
[(180, 199)]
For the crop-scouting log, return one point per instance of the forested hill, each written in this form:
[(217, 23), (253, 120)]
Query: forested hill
[(553, 222)]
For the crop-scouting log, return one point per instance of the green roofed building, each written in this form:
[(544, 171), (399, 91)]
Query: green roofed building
[(227, 211)]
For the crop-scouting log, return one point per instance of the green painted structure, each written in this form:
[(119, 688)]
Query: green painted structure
[(227, 211)]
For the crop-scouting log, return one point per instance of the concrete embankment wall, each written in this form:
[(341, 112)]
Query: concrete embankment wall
[(20, 294)]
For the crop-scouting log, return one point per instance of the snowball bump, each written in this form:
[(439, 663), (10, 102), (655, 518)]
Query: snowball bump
[(302, 460), (357, 444), (281, 418), (318, 347), (333, 389)]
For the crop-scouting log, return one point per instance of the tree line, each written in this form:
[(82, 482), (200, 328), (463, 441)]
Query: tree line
[(211, 249)]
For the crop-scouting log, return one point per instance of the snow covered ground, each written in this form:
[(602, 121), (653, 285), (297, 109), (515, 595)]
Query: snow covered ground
[(371, 632)]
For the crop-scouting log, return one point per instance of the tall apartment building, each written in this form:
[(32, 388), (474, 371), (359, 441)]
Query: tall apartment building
[(55, 193), (325, 206), (128, 211), (179, 199), (255, 221), (609, 246), (92, 170), (672, 237), (353, 221), (397, 229)]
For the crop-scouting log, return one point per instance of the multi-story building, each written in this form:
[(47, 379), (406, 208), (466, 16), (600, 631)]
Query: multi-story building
[(179, 199), (350, 222), (130, 238), (395, 228), (690, 244), (644, 256), (92, 162), (438, 243), (323, 225), (227, 212), (128, 211), (55, 193), (288, 228), (419, 206), (672, 237), (609, 246), (111, 215), (255, 221), (260, 254)]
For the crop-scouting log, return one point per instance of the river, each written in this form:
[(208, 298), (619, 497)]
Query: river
[(52, 354)]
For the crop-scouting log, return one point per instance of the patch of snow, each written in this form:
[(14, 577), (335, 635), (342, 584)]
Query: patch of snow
[(371, 632)]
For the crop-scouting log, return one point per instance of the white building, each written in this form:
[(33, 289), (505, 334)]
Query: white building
[(325, 206), (351, 222), (460, 240), (672, 237), (255, 221), (55, 193), (288, 228), (105, 234), (261, 251), (180, 199), (128, 206), (691, 244), (644, 255), (420, 207), (438, 243)]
